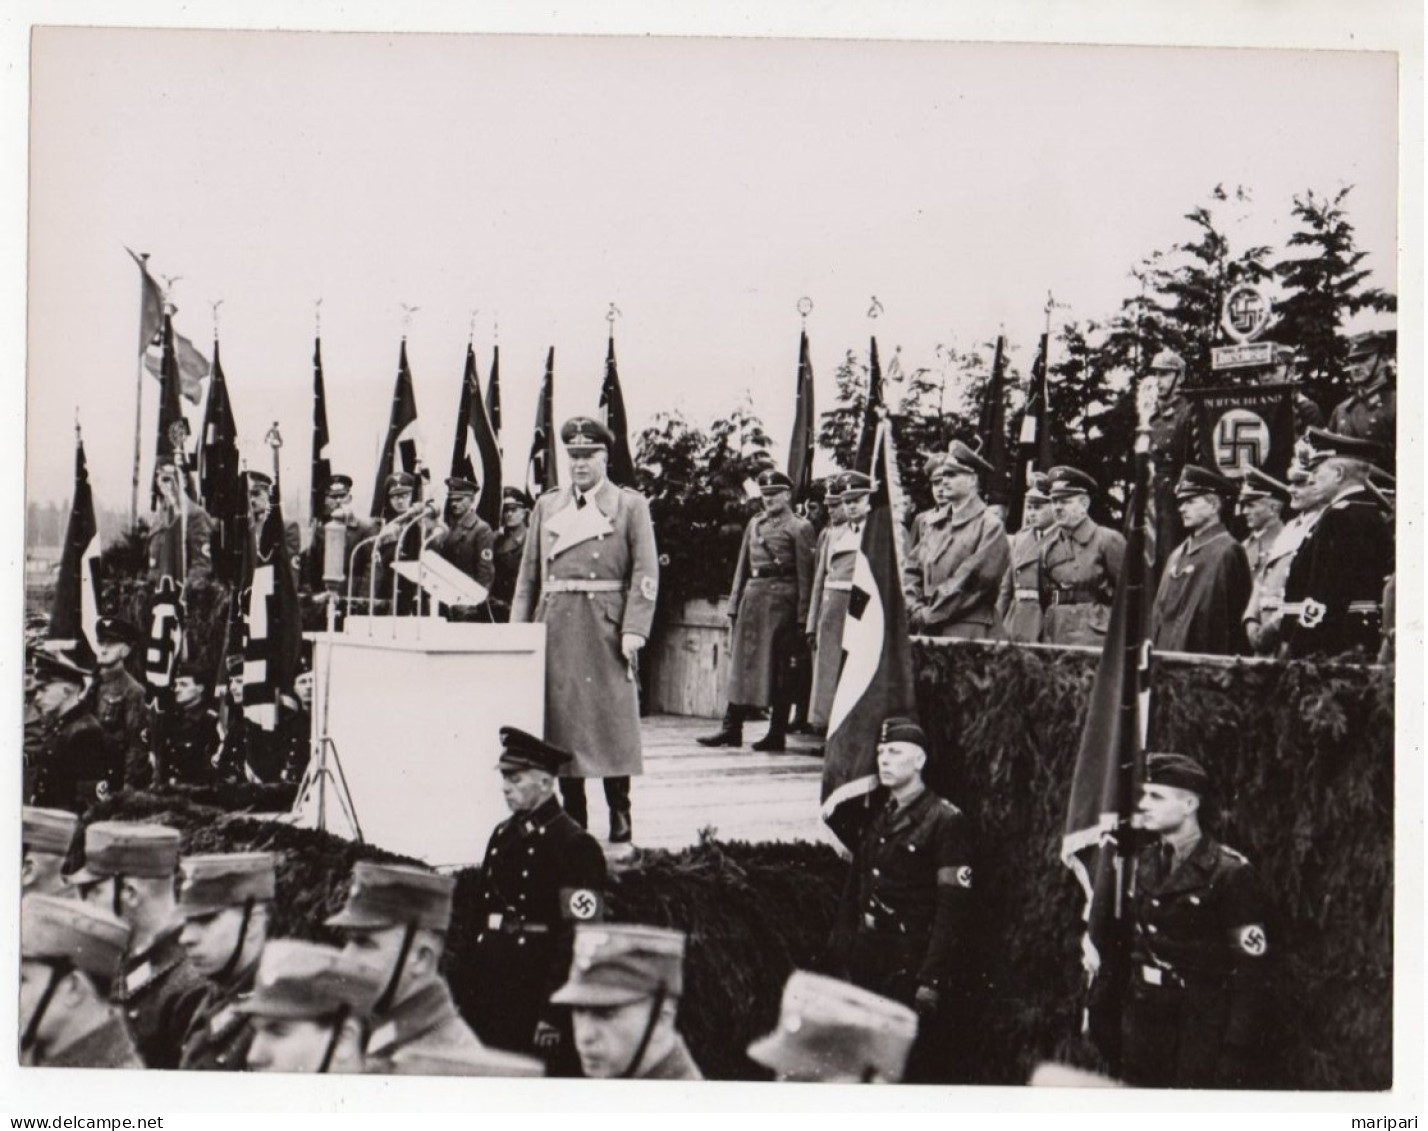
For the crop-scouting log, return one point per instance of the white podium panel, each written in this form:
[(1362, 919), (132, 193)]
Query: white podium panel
[(413, 710)]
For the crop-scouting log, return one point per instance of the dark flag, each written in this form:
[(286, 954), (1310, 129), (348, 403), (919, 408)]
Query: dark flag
[(193, 367), (165, 638), (800, 444), (401, 433), (272, 633), (172, 435), (621, 470), (873, 412), (493, 395), (1033, 450), (321, 465), (1098, 843), (1236, 429), (475, 435), (875, 678), (541, 472), (992, 430), (219, 480), (151, 304), (75, 608)]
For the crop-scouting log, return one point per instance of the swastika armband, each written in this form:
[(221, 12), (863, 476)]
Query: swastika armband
[(583, 905), (955, 877), (1251, 940)]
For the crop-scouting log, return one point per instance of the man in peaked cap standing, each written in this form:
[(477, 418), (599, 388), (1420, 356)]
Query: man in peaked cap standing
[(395, 921), (590, 574), (832, 587), (69, 955), (951, 581), (129, 870), (225, 901), (468, 543), (307, 1008), (1019, 599), (624, 988), (260, 506), (510, 544), (904, 908), (835, 1032), (1206, 584), (768, 606), (76, 767), (45, 839), (1172, 446), (121, 704), (1194, 1016), (1334, 589), (337, 507), (1263, 615), (188, 745), (542, 875), (1080, 564), (1262, 500), (178, 535), (1370, 412)]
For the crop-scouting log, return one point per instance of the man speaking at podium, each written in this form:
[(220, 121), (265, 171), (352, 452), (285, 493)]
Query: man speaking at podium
[(590, 573)]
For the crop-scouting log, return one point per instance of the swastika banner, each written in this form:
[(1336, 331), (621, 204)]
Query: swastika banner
[(1236, 429)]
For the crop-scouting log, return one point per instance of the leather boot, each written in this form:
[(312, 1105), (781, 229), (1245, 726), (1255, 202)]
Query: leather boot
[(774, 740), (622, 828), (730, 733)]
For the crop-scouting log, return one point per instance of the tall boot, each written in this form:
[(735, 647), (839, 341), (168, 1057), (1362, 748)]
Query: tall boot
[(617, 798), (778, 729), (572, 797), (731, 730)]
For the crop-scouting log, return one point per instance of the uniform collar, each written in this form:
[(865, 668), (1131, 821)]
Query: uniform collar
[(428, 1008), (1201, 538), (1194, 869), (108, 1046), (676, 1064), (1082, 532), (142, 968), (904, 814)]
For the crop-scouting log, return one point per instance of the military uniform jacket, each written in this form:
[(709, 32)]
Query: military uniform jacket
[(425, 1024), (292, 547), (171, 540), (219, 1037), (1172, 446), (1369, 414), (1019, 596), (1199, 937), (1202, 596), (542, 874), (677, 1064), (773, 582), (911, 879), (1341, 565), (827, 609), (1079, 571), (954, 575), (109, 1046), (469, 545), (358, 529), (188, 743), (590, 574), (507, 550), (123, 712), (160, 993), (1267, 595), (1258, 544), (78, 767)]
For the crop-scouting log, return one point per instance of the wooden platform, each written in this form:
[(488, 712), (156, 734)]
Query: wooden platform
[(734, 794)]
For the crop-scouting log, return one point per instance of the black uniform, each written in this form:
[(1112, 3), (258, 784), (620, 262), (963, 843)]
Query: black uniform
[(1194, 1014), (218, 1038), (1341, 566), (161, 992), (77, 766), (187, 744), (123, 713), (506, 550), (542, 874)]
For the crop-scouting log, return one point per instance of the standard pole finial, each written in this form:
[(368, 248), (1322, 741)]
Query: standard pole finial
[(78, 435), (471, 326), (213, 306), (805, 308), (274, 438), (407, 312), (317, 318), (875, 309)]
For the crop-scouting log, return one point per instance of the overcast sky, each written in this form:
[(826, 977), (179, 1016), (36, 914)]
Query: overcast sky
[(703, 186)]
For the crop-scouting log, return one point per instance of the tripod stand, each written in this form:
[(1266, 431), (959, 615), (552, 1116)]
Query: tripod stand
[(325, 765)]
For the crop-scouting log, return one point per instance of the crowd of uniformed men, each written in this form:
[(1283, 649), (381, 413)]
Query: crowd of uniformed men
[(144, 957)]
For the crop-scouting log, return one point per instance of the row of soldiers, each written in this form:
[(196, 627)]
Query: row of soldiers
[(90, 733), (146, 958), (1311, 578)]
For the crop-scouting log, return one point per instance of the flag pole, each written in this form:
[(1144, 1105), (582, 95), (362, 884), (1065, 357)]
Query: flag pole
[(138, 406)]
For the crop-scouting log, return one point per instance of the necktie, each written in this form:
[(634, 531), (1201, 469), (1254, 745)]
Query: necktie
[(579, 501)]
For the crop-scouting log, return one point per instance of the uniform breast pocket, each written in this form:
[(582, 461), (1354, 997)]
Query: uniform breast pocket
[(612, 605)]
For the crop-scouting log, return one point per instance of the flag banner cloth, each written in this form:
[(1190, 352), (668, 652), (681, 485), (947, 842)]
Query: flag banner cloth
[(1033, 449), (219, 479), (272, 629), (1098, 842), (321, 465), (621, 469), (401, 434), (992, 430), (475, 455), (193, 366), (165, 638), (801, 442), (873, 412), (75, 608), (493, 395), (875, 677), (1236, 429), (541, 472), (172, 433)]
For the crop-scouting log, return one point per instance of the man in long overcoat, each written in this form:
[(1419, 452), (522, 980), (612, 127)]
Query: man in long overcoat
[(590, 574), (1019, 600), (832, 585)]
